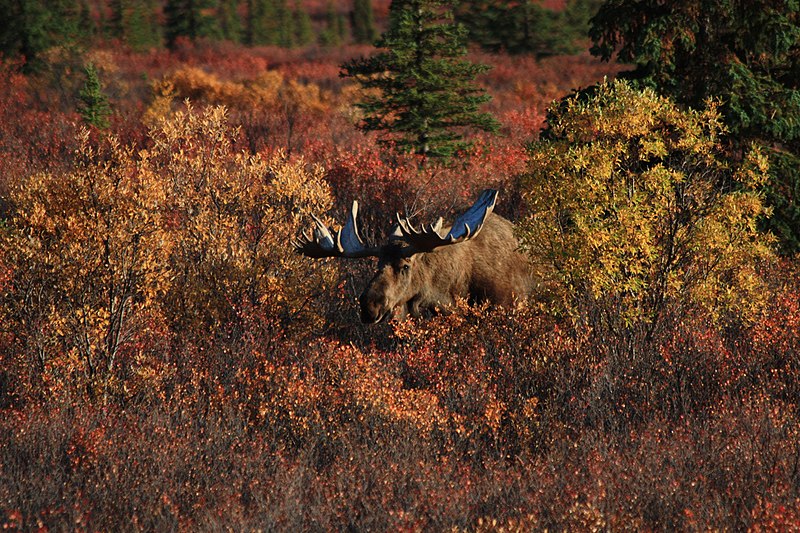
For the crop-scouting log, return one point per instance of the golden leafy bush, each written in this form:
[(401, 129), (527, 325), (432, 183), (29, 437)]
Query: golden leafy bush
[(635, 202), (231, 217), (189, 231), (268, 90), (88, 255)]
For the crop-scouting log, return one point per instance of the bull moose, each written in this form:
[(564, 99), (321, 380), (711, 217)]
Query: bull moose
[(427, 269)]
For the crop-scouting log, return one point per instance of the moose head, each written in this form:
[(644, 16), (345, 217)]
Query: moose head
[(426, 269)]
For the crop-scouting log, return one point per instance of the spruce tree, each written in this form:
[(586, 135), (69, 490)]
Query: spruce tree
[(136, 23), (115, 27), (285, 36), (341, 27), (746, 54), (303, 32), (269, 22), (229, 24), (363, 22), (30, 27), (526, 27), (330, 36), (87, 27), (191, 19), (93, 106), (427, 100), (261, 27)]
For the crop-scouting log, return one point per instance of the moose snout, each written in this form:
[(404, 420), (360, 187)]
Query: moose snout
[(372, 307)]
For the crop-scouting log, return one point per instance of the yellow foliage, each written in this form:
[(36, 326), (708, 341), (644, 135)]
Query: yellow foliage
[(266, 87), (189, 230), (198, 85), (231, 218), (161, 106), (89, 244), (634, 202), (269, 90)]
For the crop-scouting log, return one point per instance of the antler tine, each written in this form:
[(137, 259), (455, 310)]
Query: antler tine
[(343, 243), (466, 226), (348, 239), (319, 243)]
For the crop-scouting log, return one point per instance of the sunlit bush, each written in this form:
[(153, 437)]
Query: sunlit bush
[(640, 213), (231, 217), (189, 231), (88, 256)]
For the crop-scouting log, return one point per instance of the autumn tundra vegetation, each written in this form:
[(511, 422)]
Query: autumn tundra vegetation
[(168, 361)]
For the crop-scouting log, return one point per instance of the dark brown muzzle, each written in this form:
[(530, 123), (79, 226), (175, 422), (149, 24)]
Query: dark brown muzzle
[(373, 309)]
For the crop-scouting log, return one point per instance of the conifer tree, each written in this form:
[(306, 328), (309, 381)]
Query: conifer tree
[(30, 27), (260, 26), (341, 27), (229, 24), (116, 23), (363, 22), (527, 27), (87, 27), (285, 35), (746, 54), (190, 18), (135, 22), (94, 106), (269, 22), (427, 99), (330, 36), (303, 32)]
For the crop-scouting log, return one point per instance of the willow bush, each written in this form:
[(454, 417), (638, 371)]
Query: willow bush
[(640, 216)]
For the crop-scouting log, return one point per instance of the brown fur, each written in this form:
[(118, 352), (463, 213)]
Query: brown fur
[(488, 267)]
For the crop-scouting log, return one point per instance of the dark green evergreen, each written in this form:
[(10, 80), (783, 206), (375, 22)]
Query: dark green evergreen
[(136, 23), (363, 22), (285, 36), (116, 23), (270, 22), (485, 21), (331, 35), (427, 99), (30, 27), (69, 21), (526, 27), (260, 25), (193, 19), (230, 25), (93, 106), (87, 27), (342, 27), (303, 32), (746, 54)]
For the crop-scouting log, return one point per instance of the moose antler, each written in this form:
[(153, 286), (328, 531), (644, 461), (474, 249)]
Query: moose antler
[(343, 243), (325, 242), (465, 227)]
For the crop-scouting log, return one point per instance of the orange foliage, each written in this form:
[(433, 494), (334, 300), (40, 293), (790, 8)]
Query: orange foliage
[(188, 229), (268, 89)]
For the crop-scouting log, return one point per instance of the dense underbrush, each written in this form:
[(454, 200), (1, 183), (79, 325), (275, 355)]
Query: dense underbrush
[(475, 420)]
